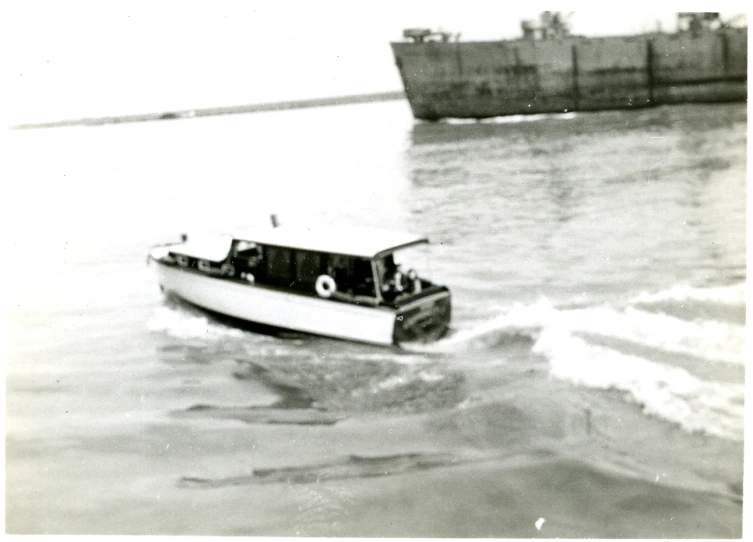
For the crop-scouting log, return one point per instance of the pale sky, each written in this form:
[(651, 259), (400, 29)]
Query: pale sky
[(76, 58)]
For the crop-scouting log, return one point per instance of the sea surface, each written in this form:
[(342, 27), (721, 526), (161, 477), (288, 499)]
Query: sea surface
[(592, 384)]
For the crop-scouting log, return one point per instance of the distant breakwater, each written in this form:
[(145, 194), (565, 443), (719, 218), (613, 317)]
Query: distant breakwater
[(226, 110)]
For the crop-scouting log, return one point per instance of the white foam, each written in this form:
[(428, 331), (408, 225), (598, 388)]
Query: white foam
[(515, 119), (405, 379), (392, 382), (708, 339), (401, 359), (520, 319), (428, 376), (183, 325), (512, 119), (724, 295), (664, 391), (459, 121)]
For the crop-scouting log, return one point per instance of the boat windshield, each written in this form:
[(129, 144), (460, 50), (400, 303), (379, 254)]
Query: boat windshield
[(403, 271)]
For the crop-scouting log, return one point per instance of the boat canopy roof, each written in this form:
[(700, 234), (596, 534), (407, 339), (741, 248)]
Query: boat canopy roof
[(214, 248), (346, 240)]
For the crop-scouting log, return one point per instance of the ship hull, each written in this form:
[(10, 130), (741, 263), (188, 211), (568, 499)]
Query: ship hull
[(488, 79)]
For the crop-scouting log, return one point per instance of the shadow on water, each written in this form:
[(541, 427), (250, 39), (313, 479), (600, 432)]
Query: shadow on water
[(294, 406), (353, 466), (322, 392), (319, 381), (539, 485), (275, 414)]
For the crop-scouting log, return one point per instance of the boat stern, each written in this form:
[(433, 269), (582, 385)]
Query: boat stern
[(424, 319)]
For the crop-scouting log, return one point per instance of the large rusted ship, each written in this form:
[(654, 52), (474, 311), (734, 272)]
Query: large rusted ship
[(548, 70)]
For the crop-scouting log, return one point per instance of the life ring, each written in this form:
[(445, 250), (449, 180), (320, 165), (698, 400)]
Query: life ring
[(182, 260), (325, 286)]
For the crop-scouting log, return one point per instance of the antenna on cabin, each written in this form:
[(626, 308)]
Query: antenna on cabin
[(275, 220)]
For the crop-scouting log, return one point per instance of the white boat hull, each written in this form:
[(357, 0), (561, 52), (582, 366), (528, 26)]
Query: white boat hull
[(267, 306)]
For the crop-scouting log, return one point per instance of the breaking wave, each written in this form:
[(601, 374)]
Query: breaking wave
[(711, 340), (663, 390), (573, 341), (660, 361), (726, 295)]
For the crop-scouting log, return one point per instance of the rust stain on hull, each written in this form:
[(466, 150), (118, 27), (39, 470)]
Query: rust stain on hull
[(487, 79)]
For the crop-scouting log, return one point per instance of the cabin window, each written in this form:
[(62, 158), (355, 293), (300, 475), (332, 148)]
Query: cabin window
[(247, 257), (308, 267), (279, 268), (363, 278), (242, 246), (340, 268), (398, 272), (352, 275)]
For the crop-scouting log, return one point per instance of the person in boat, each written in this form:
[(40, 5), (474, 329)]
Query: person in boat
[(392, 278), (246, 257), (396, 282)]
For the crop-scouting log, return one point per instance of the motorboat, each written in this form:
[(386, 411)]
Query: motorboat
[(341, 282)]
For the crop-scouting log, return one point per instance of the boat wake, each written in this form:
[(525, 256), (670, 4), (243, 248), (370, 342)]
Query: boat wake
[(724, 295), (677, 353), (188, 323), (688, 371), (317, 380)]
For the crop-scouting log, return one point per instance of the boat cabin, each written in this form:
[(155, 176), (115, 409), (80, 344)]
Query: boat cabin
[(355, 265)]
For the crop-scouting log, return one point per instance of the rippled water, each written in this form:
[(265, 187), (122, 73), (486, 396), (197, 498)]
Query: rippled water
[(592, 384)]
